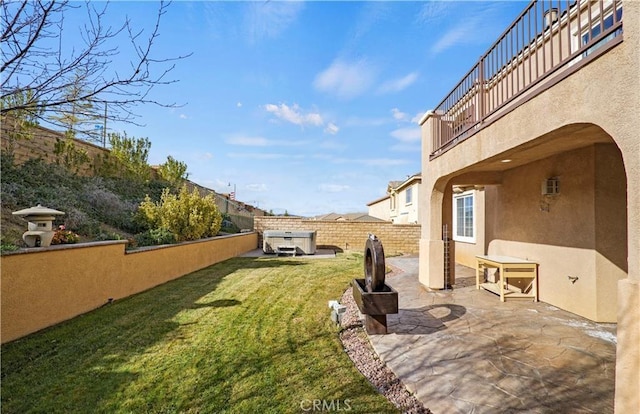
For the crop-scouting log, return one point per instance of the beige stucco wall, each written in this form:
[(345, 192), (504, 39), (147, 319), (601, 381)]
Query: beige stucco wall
[(407, 213), (563, 233), (465, 252), (381, 209), (40, 289), (538, 128), (601, 97)]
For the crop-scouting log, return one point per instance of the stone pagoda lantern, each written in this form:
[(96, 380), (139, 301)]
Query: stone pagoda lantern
[(40, 228)]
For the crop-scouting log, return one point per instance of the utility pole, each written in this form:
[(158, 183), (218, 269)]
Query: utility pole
[(232, 195)]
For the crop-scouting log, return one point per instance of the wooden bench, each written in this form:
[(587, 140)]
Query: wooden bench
[(509, 267)]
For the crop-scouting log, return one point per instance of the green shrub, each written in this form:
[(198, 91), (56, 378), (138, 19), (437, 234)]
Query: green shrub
[(108, 236), (173, 171), (128, 158), (189, 216), (155, 237), (68, 155), (7, 246), (111, 208)]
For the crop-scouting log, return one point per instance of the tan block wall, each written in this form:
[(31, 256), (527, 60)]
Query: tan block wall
[(348, 235), (39, 289), (42, 145)]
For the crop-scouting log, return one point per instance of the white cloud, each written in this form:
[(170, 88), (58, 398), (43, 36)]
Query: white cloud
[(410, 134), (183, 116), (331, 128), (398, 114), (333, 188), (346, 79), (434, 11), (294, 114), (270, 19), (477, 26), (239, 105), (397, 85), (454, 36), (418, 117)]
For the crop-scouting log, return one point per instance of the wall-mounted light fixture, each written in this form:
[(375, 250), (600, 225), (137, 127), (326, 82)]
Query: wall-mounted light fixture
[(551, 186)]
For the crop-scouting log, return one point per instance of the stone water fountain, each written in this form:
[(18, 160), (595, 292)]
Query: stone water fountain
[(375, 299)]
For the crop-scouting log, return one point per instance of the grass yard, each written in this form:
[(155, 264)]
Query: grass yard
[(244, 336)]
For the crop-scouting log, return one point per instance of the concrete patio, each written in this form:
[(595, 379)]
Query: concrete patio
[(463, 351)]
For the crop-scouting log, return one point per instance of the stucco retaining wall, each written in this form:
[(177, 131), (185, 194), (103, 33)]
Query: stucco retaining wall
[(45, 286)]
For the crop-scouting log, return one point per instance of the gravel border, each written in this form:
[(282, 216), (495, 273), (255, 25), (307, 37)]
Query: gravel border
[(356, 344)]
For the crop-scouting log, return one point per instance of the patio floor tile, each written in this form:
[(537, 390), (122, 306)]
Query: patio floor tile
[(463, 351)]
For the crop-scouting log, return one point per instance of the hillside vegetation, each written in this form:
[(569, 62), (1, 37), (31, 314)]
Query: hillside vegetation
[(97, 208)]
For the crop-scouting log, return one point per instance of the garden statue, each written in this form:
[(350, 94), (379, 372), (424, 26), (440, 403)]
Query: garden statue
[(40, 228)]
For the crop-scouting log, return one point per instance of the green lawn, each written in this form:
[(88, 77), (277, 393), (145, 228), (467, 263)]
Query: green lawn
[(243, 336)]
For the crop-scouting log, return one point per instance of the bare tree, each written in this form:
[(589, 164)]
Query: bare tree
[(42, 63)]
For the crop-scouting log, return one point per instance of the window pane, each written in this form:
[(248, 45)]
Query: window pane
[(464, 216), (460, 217)]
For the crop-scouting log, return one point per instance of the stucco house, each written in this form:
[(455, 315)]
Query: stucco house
[(360, 217), (541, 139), (401, 203), (380, 208)]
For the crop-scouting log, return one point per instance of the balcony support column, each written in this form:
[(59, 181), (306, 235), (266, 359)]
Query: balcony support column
[(431, 262)]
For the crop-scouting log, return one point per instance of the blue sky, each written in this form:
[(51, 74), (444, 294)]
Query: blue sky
[(308, 107)]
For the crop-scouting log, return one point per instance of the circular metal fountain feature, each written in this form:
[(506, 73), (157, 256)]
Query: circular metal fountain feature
[(374, 266)]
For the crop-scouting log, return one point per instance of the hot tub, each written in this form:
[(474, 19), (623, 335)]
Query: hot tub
[(280, 241)]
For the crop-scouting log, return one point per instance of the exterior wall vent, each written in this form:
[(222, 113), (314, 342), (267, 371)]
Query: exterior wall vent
[(551, 186)]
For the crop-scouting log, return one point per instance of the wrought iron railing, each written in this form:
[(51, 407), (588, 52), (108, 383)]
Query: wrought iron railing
[(549, 35)]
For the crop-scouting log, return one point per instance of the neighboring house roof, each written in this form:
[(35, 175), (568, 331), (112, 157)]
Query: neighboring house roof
[(395, 186), (410, 180), (378, 200), (347, 217)]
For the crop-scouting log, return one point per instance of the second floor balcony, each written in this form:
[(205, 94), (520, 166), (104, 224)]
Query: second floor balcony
[(550, 40)]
